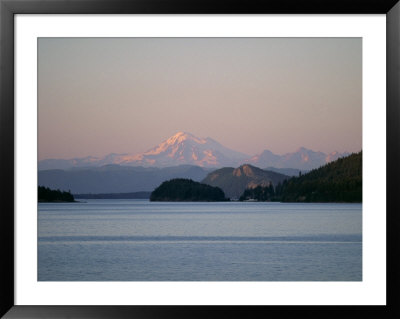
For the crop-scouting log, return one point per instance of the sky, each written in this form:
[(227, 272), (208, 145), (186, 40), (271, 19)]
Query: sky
[(98, 96)]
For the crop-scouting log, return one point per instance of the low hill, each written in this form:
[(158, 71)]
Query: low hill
[(49, 195), (234, 181), (338, 181), (177, 190)]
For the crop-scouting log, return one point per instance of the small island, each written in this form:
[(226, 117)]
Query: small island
[(46, 194), (187, 190)]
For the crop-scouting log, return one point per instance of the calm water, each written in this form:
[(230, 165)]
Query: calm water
[(138, 240)]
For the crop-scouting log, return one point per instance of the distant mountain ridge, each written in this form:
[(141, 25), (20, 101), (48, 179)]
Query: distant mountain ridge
[(134, 195), (115, 178), (186, 149), (234, 181), (302, 159)]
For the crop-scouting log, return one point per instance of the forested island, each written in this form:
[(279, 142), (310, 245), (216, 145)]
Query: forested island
[(338, 181), (46, 194), (187, 190)]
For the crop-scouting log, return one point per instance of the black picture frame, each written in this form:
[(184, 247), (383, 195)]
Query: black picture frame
[(8, 8)]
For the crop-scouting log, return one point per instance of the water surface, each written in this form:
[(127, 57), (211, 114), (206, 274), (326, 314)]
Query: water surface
[(138, 240)]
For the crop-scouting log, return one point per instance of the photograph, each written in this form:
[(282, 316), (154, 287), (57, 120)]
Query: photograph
[(212, 159), (190, 160)]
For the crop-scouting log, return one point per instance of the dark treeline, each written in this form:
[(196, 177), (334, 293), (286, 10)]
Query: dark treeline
[(338, 181), (48, 195), (181, 189), (259, 193)]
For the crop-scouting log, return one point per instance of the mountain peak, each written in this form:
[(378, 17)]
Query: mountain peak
[(302, 149), (183, 136), (186, 148), (246, 170)]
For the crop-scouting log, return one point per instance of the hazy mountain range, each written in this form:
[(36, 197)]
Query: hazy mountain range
[(124, 179), (115, 178), (186, 149)]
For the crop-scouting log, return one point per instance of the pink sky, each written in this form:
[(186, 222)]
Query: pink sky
[(126, 95)]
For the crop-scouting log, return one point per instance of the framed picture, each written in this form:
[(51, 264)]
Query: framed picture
[(252, 135)]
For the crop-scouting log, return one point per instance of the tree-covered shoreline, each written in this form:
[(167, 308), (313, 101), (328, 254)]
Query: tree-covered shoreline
[(46, 194), (339, 182)]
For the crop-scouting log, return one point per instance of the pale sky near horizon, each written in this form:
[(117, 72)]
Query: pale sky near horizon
[(126, 95)]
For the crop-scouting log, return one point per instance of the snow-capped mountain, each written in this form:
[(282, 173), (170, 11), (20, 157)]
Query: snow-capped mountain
[(186, 149), (180, 149), (303, 159)]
